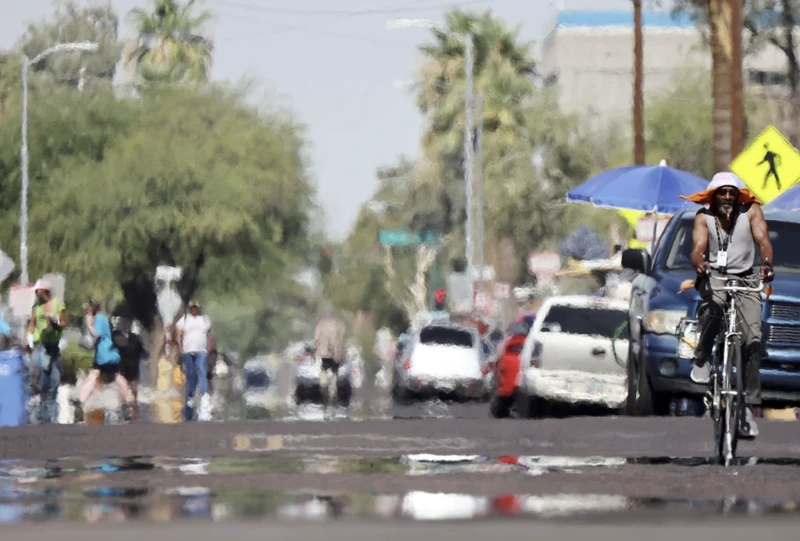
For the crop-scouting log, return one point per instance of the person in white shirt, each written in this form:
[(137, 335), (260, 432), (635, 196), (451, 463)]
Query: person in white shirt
[(195, 342)]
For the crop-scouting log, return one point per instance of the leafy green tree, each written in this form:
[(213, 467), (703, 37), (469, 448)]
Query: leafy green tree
[(64, 127), (171, 46), (201, 181), (72, 22)]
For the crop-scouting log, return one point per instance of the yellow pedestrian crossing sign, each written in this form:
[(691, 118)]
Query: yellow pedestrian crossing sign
[(769, 166)]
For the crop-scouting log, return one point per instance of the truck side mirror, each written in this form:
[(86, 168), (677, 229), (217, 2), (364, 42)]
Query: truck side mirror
[(637, 260)]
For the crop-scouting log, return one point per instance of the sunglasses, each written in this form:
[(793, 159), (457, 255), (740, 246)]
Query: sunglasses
[(727, 191)]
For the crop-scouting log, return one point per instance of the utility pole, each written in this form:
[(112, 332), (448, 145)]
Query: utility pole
[(638, 84), (468, 147), (479, 185), (737, 84)]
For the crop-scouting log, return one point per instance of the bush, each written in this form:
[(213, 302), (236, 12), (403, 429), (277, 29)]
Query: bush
[(74, 358)]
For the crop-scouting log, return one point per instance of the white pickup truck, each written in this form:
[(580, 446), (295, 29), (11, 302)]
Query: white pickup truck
[(575, 352)]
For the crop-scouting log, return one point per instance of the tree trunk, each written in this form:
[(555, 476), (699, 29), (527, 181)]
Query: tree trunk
[(719, 27), (793, 70), (157, 339), (638, 85)]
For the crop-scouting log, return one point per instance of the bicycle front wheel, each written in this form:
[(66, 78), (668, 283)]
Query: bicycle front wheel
[(733, 398)]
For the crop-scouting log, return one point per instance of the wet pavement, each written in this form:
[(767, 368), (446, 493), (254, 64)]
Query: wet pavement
[(265, 458), (77, 490)]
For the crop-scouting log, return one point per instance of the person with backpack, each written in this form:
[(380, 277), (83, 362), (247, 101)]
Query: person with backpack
[(131, 350), (106, 358)]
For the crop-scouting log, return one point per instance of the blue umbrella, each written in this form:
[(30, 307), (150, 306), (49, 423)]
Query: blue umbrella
[(788, 200), (653, 188)]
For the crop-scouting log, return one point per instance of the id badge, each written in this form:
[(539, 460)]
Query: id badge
[(722, 258)]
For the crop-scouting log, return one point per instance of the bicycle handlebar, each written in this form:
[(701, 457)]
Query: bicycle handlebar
[(757, 289)]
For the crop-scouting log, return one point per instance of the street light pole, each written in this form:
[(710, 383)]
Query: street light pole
[(479, 187), (468, 134), (468, 150), (23, 214)]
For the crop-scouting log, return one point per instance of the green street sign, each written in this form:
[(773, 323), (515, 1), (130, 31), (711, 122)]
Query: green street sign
[(403, 237)]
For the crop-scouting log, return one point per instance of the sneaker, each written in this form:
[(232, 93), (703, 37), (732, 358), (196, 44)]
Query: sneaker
[(205, 408), (700, 374), (78, 409), (127, 412), (748, 429)]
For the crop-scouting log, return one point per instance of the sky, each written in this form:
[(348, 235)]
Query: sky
[(337, 66)]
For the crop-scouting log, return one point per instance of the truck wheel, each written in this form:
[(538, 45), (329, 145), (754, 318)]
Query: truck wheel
[(642, 399)]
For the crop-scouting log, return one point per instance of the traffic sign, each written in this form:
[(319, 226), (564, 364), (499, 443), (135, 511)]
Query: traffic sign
[(769, 166), (403, 237)]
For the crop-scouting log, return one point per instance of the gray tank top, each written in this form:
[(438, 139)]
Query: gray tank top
[(740, 245)]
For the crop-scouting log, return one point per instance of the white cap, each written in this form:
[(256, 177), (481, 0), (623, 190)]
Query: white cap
[(726, 178), (42, 284)]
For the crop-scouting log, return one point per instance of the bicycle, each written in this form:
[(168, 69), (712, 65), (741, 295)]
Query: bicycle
[(725, 398)]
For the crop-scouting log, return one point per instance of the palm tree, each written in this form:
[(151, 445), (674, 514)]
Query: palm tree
[(170, 46), (503, 75), (503, 71)]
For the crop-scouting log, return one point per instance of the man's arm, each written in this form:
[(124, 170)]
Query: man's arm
[(699, 243), (758, 225), (62, 317), (32, 322), (179, 336)]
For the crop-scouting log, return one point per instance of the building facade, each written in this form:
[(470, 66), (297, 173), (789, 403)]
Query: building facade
[(588, 55)]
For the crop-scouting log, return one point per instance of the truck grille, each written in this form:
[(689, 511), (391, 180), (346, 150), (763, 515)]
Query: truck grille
[(780, 310), (778, 333), (784, 334)]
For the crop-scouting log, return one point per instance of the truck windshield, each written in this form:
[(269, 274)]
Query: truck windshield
[(783, 236)]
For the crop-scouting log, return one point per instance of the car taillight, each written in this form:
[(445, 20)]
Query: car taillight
[(536, 355), (407, 364)]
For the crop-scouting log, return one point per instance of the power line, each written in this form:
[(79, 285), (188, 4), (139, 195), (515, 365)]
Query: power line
[(346, 13)]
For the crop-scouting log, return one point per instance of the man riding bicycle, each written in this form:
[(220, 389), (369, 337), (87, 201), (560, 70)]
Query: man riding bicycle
[(727, 230)]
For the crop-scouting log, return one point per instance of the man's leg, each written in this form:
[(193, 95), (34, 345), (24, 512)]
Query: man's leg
[(201, 363), (190, 372), (49, 382), (750, 322), (328, 383), (710, 320)]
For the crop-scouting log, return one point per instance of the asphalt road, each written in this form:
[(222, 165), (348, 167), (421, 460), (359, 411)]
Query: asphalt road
[(629, 476), (680, 445), (389, 467), (728, 530)]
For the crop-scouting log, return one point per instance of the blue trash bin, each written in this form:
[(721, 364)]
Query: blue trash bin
[(14, 390)]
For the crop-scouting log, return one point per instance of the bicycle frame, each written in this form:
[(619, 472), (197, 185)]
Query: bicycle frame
[(727, 396)]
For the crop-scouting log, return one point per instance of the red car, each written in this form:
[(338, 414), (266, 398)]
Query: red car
[(506, 370)]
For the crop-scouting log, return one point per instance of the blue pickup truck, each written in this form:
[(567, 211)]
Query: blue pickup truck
[(656, 374)]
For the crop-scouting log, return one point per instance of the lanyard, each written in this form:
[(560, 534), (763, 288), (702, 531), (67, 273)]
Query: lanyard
[(723, 246)]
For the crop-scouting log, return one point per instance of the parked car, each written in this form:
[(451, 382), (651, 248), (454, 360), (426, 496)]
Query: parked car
[(442, 358), (656, 374), (574, 354), (256, 380)]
